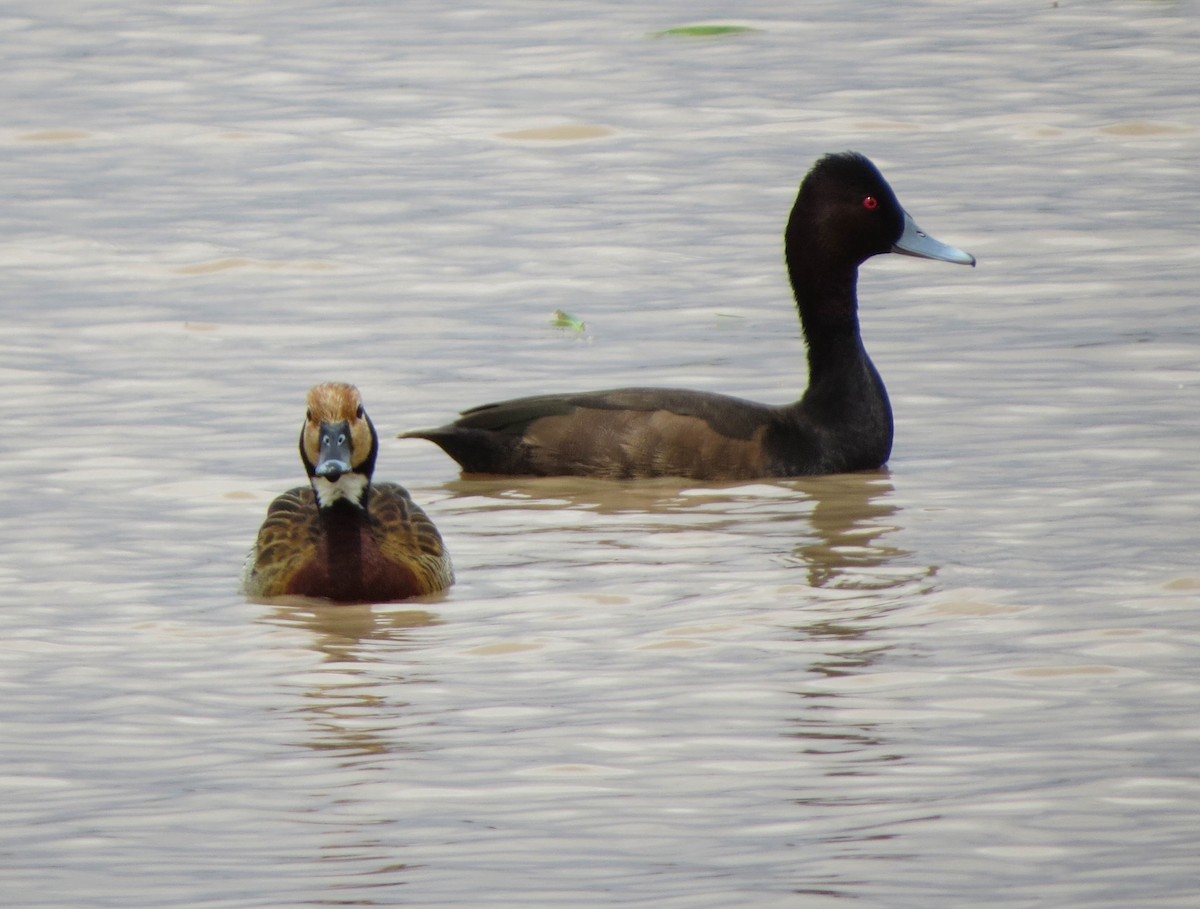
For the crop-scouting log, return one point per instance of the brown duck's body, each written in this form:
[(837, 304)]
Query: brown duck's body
[(390, 552), (343, 538), (845, 212), (663, 432)]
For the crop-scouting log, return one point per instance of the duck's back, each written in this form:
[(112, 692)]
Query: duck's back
[(407, 538), (623, 433), (660, 432), (391, 553)]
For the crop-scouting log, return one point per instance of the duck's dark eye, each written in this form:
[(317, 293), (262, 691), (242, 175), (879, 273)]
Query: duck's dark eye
[(308, 415), (359, 413), (870, 203)]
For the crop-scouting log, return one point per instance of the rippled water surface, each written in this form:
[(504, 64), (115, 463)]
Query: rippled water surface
[(968, 680)]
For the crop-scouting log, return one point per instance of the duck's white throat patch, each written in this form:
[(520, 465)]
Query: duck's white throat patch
[(349, 486)]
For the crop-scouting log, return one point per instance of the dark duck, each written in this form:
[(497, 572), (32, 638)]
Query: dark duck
[(342, 537), (844, 214)]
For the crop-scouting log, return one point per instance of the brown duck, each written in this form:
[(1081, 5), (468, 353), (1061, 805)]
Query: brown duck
[(341, 537), (844, 214)]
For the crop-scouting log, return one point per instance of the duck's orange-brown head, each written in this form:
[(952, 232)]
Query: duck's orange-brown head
[(338, 445)]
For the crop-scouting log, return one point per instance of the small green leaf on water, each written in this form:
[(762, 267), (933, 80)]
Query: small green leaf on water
[(566, 320), (705, 31)]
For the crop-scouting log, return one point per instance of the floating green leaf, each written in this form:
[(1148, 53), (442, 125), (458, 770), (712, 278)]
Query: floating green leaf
[(566, 320), (705, 31)]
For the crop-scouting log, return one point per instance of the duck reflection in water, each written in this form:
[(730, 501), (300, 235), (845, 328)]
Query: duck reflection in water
[(852, 517), (350, 633), (355, 708), (843, 523)]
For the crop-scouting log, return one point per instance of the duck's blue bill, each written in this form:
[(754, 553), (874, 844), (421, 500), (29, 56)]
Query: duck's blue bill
[(915, 242)]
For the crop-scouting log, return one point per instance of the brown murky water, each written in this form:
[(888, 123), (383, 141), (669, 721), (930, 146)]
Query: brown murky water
[(970, 677)]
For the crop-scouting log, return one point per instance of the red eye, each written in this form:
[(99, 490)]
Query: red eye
[(870, 203)]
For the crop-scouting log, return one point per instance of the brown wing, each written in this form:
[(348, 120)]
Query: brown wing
[(627, 432), (288, 539), (407, 537), (638, 443)]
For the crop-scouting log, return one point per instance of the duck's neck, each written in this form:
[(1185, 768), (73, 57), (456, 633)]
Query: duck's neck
[(843, 386), (828, 304), (827, 301)]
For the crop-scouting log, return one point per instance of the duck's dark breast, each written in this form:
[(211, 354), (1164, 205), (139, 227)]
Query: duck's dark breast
[(374, 579)]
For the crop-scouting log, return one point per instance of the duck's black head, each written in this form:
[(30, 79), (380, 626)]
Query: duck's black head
[(338, 445), (845, 213)]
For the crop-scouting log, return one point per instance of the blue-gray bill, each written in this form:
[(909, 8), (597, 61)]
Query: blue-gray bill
[(915, 242)]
